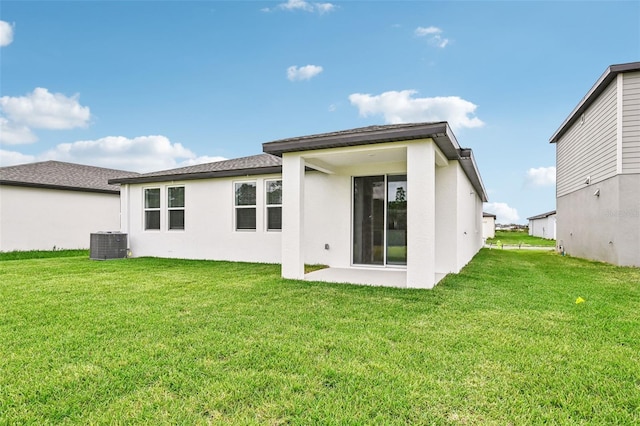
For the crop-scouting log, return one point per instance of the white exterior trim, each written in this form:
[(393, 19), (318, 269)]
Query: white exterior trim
[(421, 223), (293, 186), (619, 121)]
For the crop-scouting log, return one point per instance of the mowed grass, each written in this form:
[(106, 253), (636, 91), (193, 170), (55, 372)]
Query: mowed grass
[(153, 341), (515, 238), (40, 254)]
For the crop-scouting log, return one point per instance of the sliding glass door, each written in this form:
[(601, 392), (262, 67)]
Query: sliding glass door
[(368, 220), (380, 220), (397, 220)]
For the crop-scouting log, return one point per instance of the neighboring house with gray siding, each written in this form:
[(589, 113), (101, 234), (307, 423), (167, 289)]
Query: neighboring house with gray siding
[(53, 204), (598, 170), (543, 225)]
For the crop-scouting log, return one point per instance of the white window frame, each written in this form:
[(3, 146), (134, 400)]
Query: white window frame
[(183, 208), (253, 206), (146, 209), (267, 206)]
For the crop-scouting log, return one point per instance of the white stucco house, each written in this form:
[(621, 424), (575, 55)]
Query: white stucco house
[(488, 225), (53, 204), (543, 225), (397, 205), (598, 170)]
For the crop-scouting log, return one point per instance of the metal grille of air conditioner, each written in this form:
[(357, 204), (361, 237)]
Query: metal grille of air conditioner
[(108, 245)]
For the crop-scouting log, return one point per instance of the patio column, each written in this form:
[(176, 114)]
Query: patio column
[(292, 216), (421, 224)]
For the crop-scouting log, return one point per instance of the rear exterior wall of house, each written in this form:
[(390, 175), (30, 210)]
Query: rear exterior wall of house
[(210, 222)]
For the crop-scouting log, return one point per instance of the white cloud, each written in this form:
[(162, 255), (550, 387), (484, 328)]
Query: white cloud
[(504, 213), (140, 154), (296, 5), (45, 110), (295, 73), (320, 8), (422, 31), (14, 134), (541, 176), (402, 107), (434, 36), (6, 33), (11, 158)]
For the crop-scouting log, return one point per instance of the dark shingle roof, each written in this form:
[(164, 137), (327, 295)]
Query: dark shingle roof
[(485, 214), (439, 131), (60, 175), (255, 164), (362, 136), (270, 162)]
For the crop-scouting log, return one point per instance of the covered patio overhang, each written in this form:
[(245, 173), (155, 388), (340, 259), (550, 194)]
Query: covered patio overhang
[(417, 159), (415, 150)]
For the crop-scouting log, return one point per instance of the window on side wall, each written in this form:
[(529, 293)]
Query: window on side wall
[(175, 203), (245, 206), (274, 205), (152, 209)]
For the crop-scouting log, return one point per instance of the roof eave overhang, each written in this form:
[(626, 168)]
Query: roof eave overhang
[(354, 139), (202, 175), (441, 134), (470, 168), (59, 187), (605, 79)]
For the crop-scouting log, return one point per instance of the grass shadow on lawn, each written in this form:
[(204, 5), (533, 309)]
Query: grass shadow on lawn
[(177, 341)]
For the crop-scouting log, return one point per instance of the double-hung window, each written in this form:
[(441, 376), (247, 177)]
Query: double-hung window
[(175, 207), (274, 205), (152, 209), (245, 205)]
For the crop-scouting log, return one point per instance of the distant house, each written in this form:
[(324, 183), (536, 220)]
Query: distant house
[(396, 205), (598, 170), (543, 225), (58, 205), (488, 225)]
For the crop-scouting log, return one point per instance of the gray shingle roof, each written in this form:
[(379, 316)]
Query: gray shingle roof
[(60, 175), (542, 216), (255, 164)]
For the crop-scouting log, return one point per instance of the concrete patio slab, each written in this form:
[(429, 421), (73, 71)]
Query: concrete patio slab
[(366, 276), (363, 276)]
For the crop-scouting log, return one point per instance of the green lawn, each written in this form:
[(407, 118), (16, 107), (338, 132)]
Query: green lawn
[(514, 238), (152, 341)]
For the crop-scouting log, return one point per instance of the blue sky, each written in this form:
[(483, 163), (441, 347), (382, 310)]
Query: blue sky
[(152, 85)]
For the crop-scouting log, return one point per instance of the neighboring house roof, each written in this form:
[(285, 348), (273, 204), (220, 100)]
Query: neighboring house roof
[(440, 132), (270, 162), (602, 83), (61, 175), (543, 215), (253, 165), (484, 214)]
